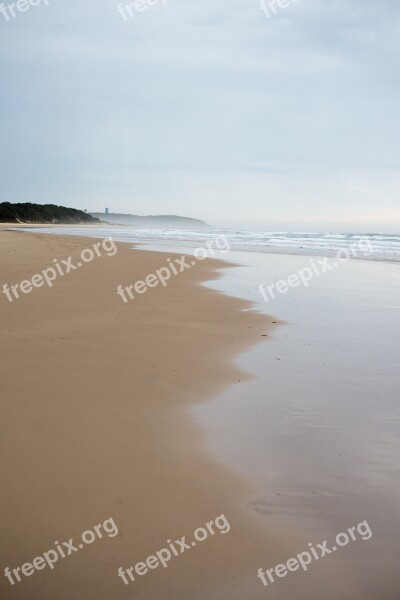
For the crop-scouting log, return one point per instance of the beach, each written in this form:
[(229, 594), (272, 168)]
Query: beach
[(185, 405), (199, 300), (95, 425)]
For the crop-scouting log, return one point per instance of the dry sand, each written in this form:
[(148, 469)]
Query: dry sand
[(94, 424)]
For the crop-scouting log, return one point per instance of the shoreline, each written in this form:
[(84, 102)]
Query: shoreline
[(96, 423), (317, 428), (138, 407), (160, 243)]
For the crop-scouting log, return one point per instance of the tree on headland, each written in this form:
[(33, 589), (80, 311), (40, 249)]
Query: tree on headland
[(42, 213)]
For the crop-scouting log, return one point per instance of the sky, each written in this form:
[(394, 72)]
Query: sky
[(284, 118)]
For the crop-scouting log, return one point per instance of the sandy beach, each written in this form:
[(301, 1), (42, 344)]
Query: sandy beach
[(94, 426), (189, 405), (199, 300)]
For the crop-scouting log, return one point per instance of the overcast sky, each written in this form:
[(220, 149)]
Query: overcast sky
[(206, 108)]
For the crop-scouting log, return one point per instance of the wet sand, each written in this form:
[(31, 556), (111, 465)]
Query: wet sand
[(317, 432), (106, 412), (95, 425)]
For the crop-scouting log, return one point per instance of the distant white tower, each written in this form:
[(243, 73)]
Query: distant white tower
[(107, 211)]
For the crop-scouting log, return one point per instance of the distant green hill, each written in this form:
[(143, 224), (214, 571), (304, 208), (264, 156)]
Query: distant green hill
[(42, 213), (156, 221)]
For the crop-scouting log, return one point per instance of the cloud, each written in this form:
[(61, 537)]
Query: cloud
[(202, 102)]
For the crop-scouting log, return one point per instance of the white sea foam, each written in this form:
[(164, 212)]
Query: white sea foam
[(384, 246)]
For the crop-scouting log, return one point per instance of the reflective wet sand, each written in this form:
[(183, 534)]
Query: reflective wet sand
[(317, 429)]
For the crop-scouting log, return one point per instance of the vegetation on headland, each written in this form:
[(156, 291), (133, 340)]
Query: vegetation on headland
[(42, 213)]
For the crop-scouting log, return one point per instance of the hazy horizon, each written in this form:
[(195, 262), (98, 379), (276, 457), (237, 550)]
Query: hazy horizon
[(212, 111)]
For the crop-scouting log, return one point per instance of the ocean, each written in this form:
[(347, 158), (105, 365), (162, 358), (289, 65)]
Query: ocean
[(369, 246)]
